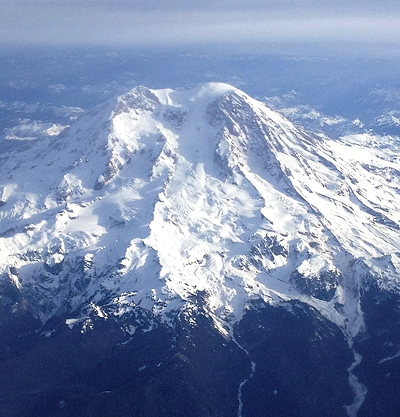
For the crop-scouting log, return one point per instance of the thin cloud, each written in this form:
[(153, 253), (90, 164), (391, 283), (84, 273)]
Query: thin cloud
[(181, 23)]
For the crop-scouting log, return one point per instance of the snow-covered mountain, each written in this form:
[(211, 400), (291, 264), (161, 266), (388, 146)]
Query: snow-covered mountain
[(164, 205)]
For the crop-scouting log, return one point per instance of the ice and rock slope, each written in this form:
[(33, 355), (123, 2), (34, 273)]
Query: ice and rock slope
[(160, 195)]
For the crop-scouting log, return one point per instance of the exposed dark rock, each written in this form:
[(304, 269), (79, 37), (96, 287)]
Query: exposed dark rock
[(322, 286)]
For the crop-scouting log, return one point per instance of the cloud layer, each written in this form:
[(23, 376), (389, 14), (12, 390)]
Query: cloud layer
[(266, 26)]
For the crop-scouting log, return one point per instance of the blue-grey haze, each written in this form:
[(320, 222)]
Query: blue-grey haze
[(289, 26)]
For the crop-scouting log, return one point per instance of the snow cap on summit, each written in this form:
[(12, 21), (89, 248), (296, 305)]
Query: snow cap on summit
[(204, 92)]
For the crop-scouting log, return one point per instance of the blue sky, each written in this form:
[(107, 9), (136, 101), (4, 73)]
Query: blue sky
[(287, 26)]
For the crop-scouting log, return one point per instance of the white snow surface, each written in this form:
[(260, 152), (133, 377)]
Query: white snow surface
[(158, 195)]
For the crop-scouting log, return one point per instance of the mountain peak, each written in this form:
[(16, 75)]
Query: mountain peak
[(174, 193)]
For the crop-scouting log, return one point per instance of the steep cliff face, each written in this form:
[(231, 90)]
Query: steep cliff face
[(164, 209)]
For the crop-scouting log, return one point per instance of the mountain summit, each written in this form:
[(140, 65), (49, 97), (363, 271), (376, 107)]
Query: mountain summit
[(169, 205)]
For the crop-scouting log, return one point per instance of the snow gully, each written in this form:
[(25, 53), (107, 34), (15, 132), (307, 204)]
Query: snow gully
[(360, 390)]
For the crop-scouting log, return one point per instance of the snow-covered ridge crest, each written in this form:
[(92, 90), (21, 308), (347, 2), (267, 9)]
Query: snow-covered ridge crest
[(160, 195)]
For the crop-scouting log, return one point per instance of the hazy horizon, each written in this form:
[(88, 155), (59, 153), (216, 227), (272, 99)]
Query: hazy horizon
[(302, 27)]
